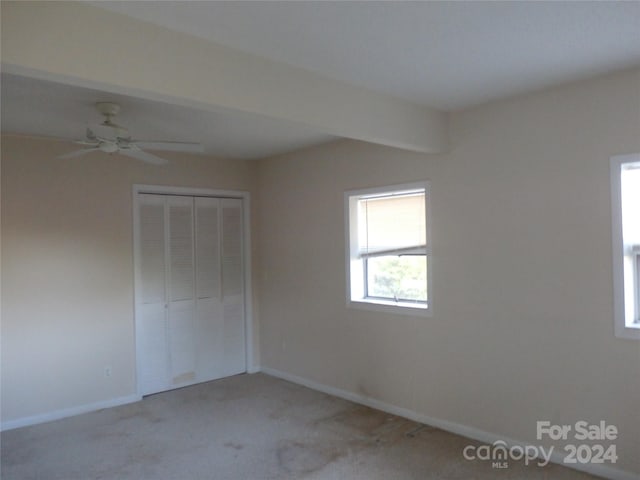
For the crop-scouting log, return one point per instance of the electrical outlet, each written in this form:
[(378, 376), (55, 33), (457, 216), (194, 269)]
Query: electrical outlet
[(107, 371)]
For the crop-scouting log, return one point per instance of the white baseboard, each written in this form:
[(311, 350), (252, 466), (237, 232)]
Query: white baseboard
[(67, 412), (463, 430)]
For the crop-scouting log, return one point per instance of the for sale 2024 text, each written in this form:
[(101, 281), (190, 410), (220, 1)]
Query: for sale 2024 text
[(582, 431)]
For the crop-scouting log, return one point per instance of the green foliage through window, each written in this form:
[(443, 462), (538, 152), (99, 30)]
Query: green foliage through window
[(399, 278)]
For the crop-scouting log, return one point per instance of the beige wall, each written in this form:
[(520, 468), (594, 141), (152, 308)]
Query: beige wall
[(67, 269), (522, 327), (523, 317)]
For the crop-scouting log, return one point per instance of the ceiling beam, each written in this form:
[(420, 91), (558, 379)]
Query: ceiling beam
[(83, 45)]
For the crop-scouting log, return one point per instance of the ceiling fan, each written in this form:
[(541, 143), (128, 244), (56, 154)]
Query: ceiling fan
[(110, 137)]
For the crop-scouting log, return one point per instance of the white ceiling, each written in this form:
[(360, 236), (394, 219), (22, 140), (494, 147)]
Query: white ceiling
[(447, 55)]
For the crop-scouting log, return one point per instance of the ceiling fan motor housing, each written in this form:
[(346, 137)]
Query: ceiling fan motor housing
[(108, 109)]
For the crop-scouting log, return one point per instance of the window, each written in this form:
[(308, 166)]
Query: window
[(388, 248), (625, 192)]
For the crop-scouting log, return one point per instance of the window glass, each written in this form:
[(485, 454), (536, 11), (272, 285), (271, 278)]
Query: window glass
[(630, 206), (402, 278)]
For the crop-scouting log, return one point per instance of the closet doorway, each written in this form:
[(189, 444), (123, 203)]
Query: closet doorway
[(191, 270)]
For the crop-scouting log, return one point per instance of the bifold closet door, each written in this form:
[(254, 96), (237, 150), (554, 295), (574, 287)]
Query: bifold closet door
[(151, 305), (220, 288), (209, 312), (190, 324), (232, 259), (181, 288)]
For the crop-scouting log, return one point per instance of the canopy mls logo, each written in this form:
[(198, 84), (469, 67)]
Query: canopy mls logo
[(499, 453)]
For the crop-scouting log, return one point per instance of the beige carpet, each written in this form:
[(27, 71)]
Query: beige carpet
[(246, 427)]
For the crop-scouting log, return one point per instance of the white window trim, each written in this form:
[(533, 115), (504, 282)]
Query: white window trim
[(622, 328), (354, 285)]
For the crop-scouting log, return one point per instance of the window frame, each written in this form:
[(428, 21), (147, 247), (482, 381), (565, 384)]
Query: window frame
[(624, 327), (354, 262)]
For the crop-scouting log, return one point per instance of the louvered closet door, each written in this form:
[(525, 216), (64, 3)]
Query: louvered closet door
[(182, 335), (190, 321), (209, 312), (233, 287), (151, 314)]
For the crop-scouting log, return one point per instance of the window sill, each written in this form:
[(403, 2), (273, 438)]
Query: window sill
[(631, 332), (397, 308)]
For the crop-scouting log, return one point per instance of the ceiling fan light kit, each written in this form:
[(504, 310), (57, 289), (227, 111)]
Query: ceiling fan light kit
[(109, 137)]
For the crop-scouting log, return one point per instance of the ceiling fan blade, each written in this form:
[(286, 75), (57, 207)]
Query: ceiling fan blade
[(88, 143), (78, 153), (138, 154), (185, 147)]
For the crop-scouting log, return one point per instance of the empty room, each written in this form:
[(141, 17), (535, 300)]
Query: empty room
[(313, 240)]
